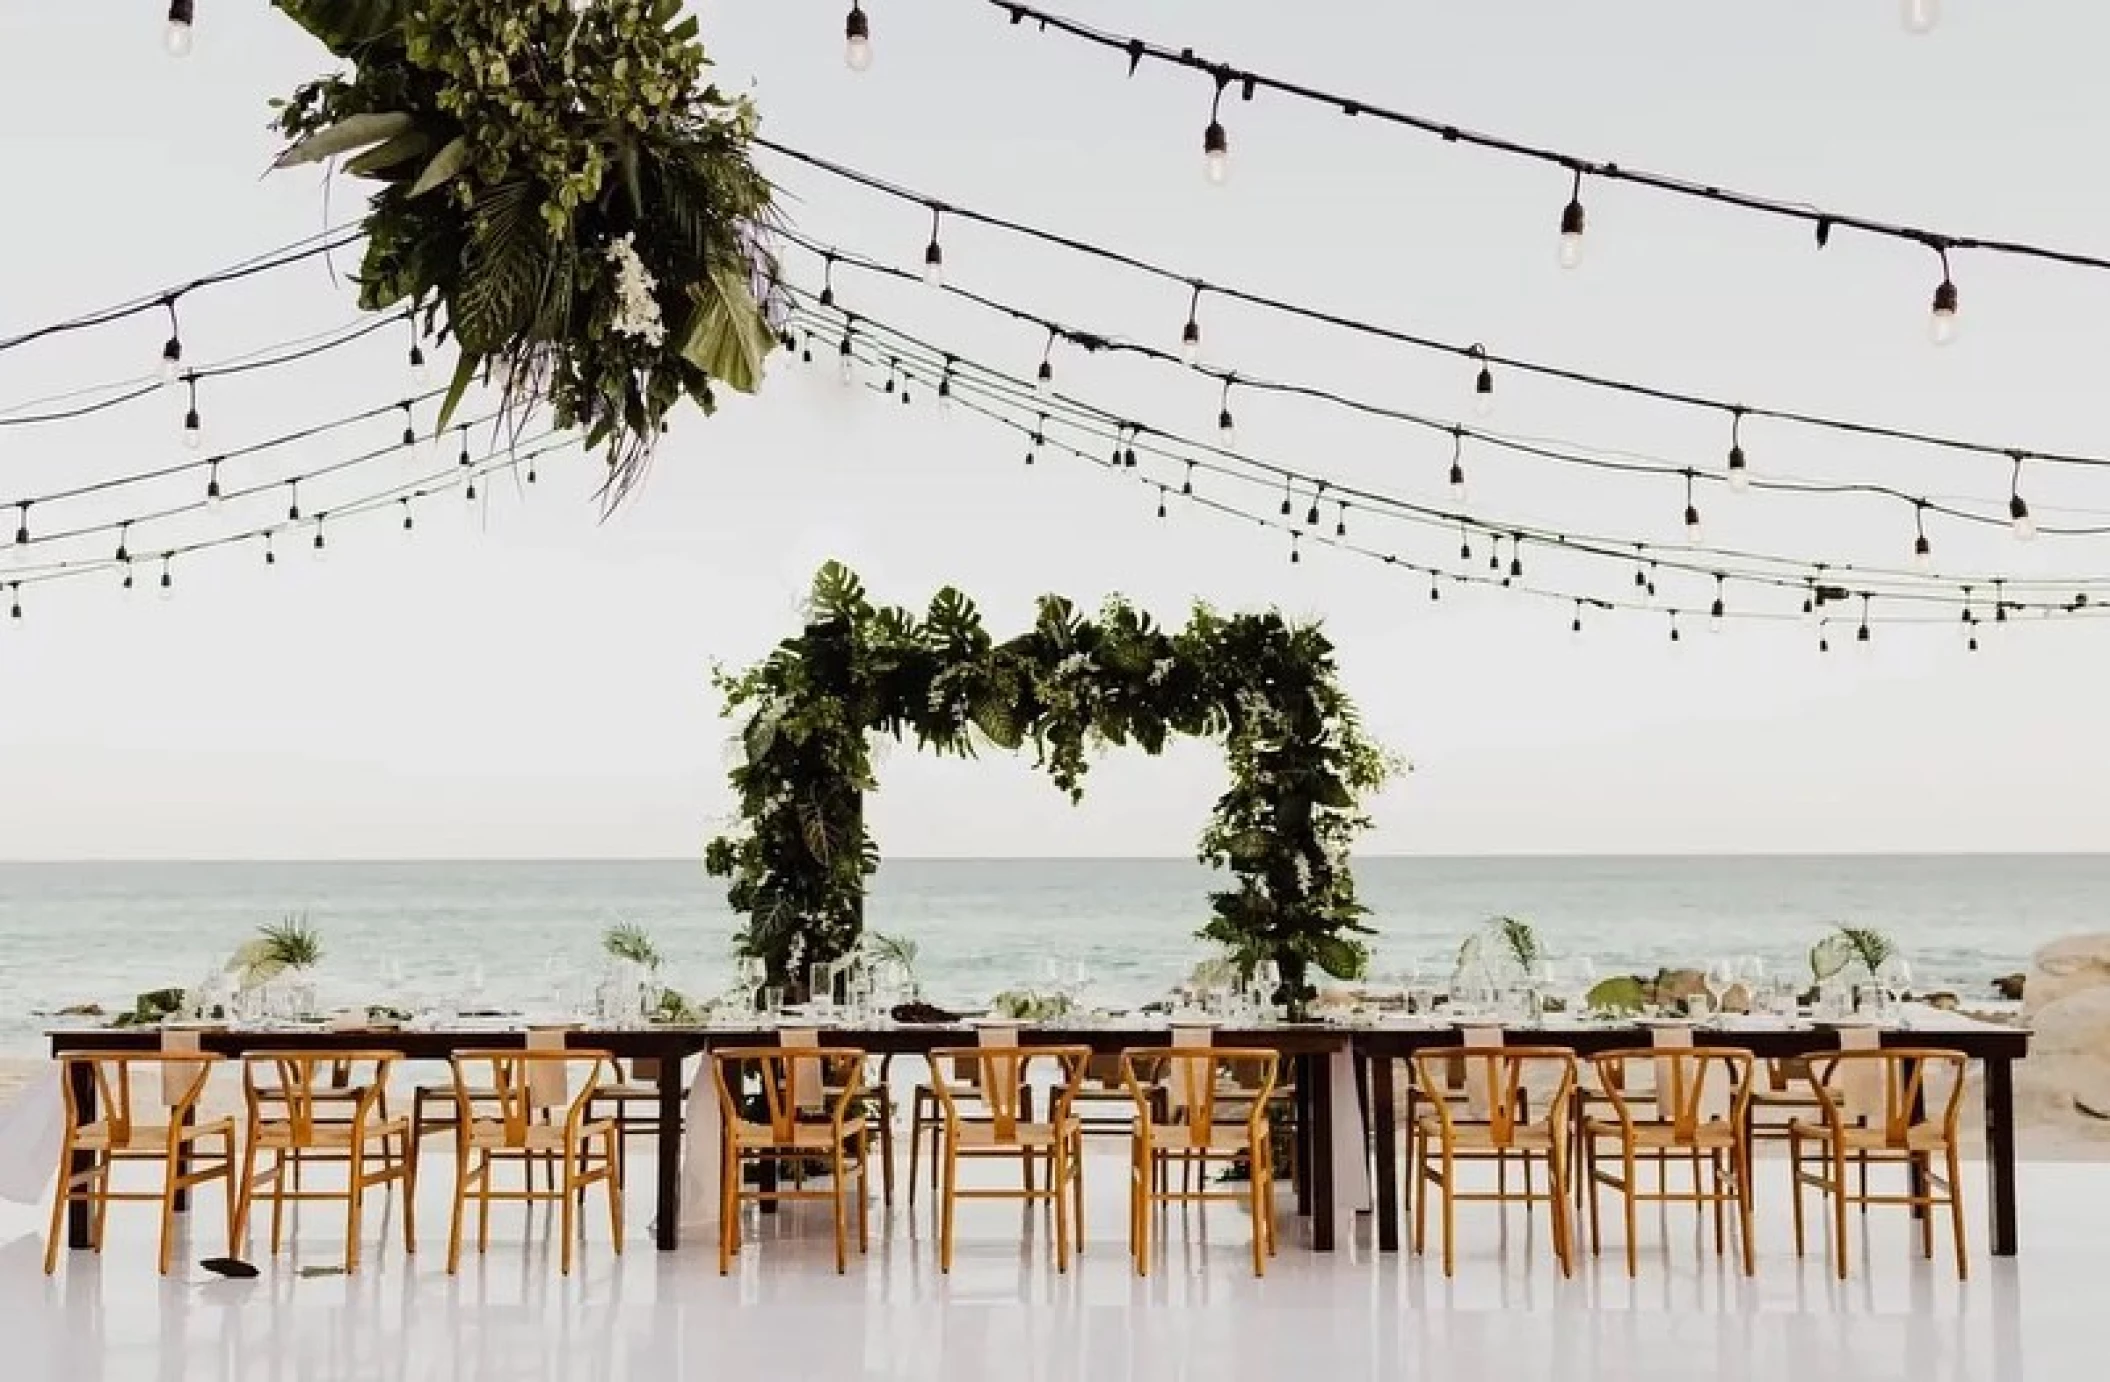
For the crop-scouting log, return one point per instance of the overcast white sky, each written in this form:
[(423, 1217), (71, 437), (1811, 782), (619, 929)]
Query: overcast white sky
[(526, 680)]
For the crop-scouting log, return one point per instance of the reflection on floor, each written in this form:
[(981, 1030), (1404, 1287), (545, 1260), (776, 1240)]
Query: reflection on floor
[(784, 1313)]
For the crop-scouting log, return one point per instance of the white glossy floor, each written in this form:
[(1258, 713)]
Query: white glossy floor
[(1005, 1314)]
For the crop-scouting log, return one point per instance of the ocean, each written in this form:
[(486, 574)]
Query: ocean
[(522, 932)]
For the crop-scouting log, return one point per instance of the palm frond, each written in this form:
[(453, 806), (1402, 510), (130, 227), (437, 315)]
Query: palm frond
[(628, 941), (290, 943), (1520, 939)]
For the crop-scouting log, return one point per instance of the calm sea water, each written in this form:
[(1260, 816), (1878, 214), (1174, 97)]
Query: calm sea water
[(103, 932)]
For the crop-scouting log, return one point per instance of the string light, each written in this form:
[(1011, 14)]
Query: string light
[(168, 577), (409, 523), (1161, 501), (270, 552), (857, 39), (177, 36), (945, 389), (22, 523), (1862, 636), (1044, 377), (1824, 642), (410, 431), (126, 583), (1920, 16), (1039, 439), (124, 538), (1692, 512), (1673, 626), (1435, 590), (828, 280), (419, 374), (1340, 521), (1465, 542), (1295, 552), (1483, 383), (1575, 626), (1285, 496), (1572, 225), (1923, 550), (15, 592), (934, 253), (531, 476), (846, 363), (1516, 558), (1941, 326), (1226, 427), (464, 461), (2025, 527), (1216, 143), (1739, 470), (1311, 515), (172, 351), (1458, 464), (2000, 602), (293, 501), (212, 488), (193, 425), (321, 548), (1719, 611), (1191, 333), (469, 490)]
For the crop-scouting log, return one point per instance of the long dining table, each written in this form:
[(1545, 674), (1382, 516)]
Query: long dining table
[(1309, 1047), (1993, 1046)]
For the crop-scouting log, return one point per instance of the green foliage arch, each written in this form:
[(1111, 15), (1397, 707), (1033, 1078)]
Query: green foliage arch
[(1262, 686)]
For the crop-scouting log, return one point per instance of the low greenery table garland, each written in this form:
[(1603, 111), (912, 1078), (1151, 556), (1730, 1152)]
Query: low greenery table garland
[(563, 193)]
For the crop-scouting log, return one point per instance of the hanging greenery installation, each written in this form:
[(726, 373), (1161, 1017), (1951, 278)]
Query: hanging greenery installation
[(561, 191)]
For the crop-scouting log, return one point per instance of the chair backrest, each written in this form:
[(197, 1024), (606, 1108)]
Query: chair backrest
[(1693, 1084), (787, 1074), (282, 1086), (1192, 1079), (1493, 1077), (125, 1095), (1902, 1072), (1003, 1074), (528, 1086)]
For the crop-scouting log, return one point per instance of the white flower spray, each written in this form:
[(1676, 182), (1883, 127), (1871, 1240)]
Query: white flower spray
[(637, 310)]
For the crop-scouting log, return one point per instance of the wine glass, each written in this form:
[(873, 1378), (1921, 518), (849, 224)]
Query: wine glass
[(1720, 978), (1894, 976)]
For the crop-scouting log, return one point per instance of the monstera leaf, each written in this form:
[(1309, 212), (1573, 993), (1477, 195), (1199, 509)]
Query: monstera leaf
[(346, 26)]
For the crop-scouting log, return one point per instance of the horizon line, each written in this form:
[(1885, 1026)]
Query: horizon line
[(697, 859)]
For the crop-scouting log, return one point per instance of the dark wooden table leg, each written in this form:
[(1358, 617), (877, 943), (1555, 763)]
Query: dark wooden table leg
[(670, 1111), (1322, 1186), (1301, 1112), (79, 1219), (2000, 1151), (1387, 1158)]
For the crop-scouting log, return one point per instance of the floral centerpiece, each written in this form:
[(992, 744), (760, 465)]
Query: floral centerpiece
[(562, 193)]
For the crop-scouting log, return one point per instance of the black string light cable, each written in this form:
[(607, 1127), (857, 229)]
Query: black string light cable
[(194, 377), (159, 379), (993, 386), (1471, 352), (1270, 474), (299, 251), (392, 499), (1735, 475), (213, 462), (974, 401), (1822, 221)]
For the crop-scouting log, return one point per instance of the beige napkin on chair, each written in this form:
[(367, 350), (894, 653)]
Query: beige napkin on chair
[(807, 1094), (1476, 1089), (176, 1076), (1188, 1035), (548, 1082), (1860, 1083)]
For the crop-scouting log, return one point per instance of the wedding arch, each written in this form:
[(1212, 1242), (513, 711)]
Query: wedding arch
[(1262, 686)]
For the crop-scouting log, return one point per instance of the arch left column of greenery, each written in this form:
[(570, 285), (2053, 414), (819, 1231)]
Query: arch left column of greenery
[(1266, 689)]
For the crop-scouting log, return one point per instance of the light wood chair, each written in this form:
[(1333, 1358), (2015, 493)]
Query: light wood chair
[(146, 1111), (809, 1108), (1900, 1133), (296, 1103), (544, 1100), (1008, 1130), (1673, 1122), (927, 1118), (1182, 1095), (1486, 1127)]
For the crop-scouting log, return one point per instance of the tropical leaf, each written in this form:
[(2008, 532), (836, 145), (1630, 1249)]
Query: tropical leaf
[(346, 26), (838, 593), (389, 153), (503, 267), (292, 942), (1830, 956), (896, 951), (1343, 959), (352, 132), (446, 165), (464, 374), (1519, 939), (628, 941), (727, 338), (1622, 993)]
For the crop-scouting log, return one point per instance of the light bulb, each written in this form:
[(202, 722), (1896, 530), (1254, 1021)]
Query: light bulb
[(1572, 234), (846, 367), (1920, 16), (1216, 154), (1922, 553), (171, 360), (193, 430), (1692, 525), (420, 372), (168, 584), (1226, 430), (945, 396), (857, 40), (320, 549), (1191, 342), (177, 37), (2018, 511), (1044, 378), (1458, 482), (1941, 326), (934, 265), (1739, 470), (1484, 393)]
